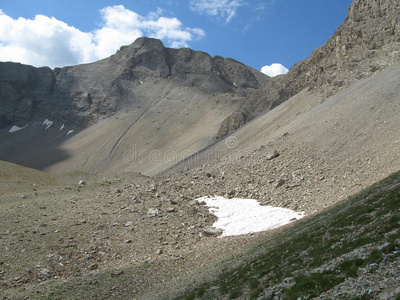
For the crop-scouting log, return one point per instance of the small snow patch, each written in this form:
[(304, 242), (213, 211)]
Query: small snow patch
[(69, 132), (242, 216), (62, 127), (16, 128), (47, 123)]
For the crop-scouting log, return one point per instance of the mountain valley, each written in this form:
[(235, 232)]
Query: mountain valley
[(102, 163)]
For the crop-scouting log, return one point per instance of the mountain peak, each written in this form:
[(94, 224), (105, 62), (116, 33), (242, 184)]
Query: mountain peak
[(144, 42)]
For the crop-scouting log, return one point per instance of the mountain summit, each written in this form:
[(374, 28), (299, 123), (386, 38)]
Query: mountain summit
[(81, 95)]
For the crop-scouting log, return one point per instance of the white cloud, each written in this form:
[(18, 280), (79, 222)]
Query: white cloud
[(45, 41), (225, 9), (274, 70)]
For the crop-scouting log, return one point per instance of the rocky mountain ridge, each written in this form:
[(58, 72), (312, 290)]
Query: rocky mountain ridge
[(367, 41), (81, 95)]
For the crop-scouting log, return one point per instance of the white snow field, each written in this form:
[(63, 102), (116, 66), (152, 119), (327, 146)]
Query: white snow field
[(241, 216)]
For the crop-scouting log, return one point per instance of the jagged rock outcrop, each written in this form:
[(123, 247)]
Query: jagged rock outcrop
[(368, 41), (231, 123)]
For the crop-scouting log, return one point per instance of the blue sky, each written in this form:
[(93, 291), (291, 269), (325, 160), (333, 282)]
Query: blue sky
[(257, 33)]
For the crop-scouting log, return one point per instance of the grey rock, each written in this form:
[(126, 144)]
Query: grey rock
[(116, 273), (280, 182), (273, 154), (170, 209), (362, 283), (385, 245), (397, 291), (231, 123), (211, 231), (173, 201), (93, 267), (385, 296), (287, 283), (152, 212), (268, 294)]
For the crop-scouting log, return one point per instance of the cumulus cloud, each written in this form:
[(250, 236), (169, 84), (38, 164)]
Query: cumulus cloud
[(274, 70), (45, 41), (225, 9)]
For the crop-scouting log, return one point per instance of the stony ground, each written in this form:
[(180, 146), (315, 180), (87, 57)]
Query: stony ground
[(80, 236)]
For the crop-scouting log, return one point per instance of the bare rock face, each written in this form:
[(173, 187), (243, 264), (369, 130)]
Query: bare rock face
[(368, 41), (24, 90), (231, 123), (81, 95)]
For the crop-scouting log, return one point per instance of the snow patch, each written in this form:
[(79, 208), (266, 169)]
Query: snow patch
[(242, 216), (16, 128), (47, 123), (62, 127), (69, 132)]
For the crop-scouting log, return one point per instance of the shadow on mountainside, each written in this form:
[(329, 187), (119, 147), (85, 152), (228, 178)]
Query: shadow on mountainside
[(34, 146)]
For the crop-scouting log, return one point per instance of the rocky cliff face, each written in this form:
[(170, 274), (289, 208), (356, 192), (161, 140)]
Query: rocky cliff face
[(24, 90), (367, 42), (81, 95)]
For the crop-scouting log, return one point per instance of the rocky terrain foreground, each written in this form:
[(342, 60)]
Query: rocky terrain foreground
[(81, 236), (130, 142)]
